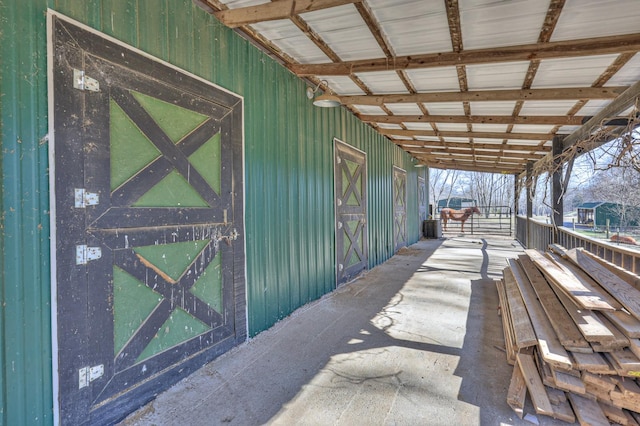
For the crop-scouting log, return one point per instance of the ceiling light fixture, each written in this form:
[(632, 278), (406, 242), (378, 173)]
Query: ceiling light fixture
[(326, 100)]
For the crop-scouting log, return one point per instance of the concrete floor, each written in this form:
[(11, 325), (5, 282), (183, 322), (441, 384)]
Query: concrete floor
[(413, 342)]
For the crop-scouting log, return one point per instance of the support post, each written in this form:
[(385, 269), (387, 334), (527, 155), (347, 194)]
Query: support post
[(516, 199), (529, 200), (557, 203)]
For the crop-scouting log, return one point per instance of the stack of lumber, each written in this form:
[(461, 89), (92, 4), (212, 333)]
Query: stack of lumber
[(572, 332)]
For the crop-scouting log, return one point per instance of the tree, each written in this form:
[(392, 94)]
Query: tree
[(442, 183), (621, 186)]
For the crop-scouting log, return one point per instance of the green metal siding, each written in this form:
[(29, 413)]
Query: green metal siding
[(288, 175), (24, 280)]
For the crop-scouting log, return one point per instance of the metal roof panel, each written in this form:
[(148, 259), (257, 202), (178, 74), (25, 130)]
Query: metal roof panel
[(491, 23)]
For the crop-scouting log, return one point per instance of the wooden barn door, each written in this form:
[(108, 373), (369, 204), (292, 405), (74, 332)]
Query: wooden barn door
[(149, 228), (350, 167), (422, 200), (399, 207)]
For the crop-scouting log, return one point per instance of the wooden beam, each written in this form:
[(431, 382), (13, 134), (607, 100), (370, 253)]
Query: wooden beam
[(473, 161), (477, 153), (568, 93), (275, 10), (535, 51), (472, 168), (489, 146), (622, 102), (481, 160), (561, 120), (484, 135)]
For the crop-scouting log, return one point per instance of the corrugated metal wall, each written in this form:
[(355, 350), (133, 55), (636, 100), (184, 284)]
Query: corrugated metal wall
[(24, 289), (289, 175)]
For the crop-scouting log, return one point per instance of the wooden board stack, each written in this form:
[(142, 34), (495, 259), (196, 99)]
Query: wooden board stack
[(572, 332)]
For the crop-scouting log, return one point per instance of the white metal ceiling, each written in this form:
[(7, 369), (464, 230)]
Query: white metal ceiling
[(362, 33)]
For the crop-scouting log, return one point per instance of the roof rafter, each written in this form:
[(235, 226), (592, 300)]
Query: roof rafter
[(275, 10), (547, 50), (569, 93), (488, 146), (474, 119), (483, 135)]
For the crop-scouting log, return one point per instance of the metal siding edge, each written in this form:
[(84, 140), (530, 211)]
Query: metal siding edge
[(52, 225)]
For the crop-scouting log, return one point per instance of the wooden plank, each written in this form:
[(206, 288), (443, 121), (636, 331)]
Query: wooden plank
[(595, 392), (509, 346), (620, 400), (561, 408), (624, 292), (527, 52), (634, 346), (593, 362), (628, 361), (587, 322), (628, 387), (560, 93), (517, 391), (568, 382), (614, 414), (626, 323), (282, 9), (628, 276), (477, 135), (588, 412), (556, 396), (620, 371), (619, 339), (563, 325), (535, 387), (631, 419), (607, 383), (550, 347), (522, 328), (585, 279), (586, 298), (474, 119)]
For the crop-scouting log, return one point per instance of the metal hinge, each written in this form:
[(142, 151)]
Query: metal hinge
[(87, 375), (84, 82), (84, 198), (85, 254)]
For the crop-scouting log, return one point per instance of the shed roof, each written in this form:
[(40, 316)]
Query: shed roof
[(590, 205)]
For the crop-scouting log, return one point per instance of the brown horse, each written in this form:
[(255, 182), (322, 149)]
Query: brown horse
[(459, 215)]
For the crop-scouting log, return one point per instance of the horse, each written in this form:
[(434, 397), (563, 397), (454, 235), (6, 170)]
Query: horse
[(459, 215)]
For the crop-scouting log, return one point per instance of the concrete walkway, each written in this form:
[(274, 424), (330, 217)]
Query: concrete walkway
[(416, 341)]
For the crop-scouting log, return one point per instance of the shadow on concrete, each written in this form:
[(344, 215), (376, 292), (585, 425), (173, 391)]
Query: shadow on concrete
[(388, 348)]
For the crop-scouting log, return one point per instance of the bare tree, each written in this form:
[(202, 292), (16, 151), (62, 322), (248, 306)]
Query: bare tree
[(442, 183), (621, 187)]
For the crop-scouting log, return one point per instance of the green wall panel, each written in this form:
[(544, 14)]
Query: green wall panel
[(288, 175), (25, 393)]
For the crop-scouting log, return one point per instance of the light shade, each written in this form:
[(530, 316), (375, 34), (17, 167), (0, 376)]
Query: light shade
[(327, 100)]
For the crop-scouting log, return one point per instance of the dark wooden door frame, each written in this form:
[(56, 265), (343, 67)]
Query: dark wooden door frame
[(72, 40), (399, 209), (350, 216)]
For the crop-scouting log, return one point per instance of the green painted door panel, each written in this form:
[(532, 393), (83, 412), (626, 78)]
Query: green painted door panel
[(162, 289), (350, 174)]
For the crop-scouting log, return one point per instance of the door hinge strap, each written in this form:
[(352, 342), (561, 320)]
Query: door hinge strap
[(87, 375), (84, 82), (85, 198), (85, 254)]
